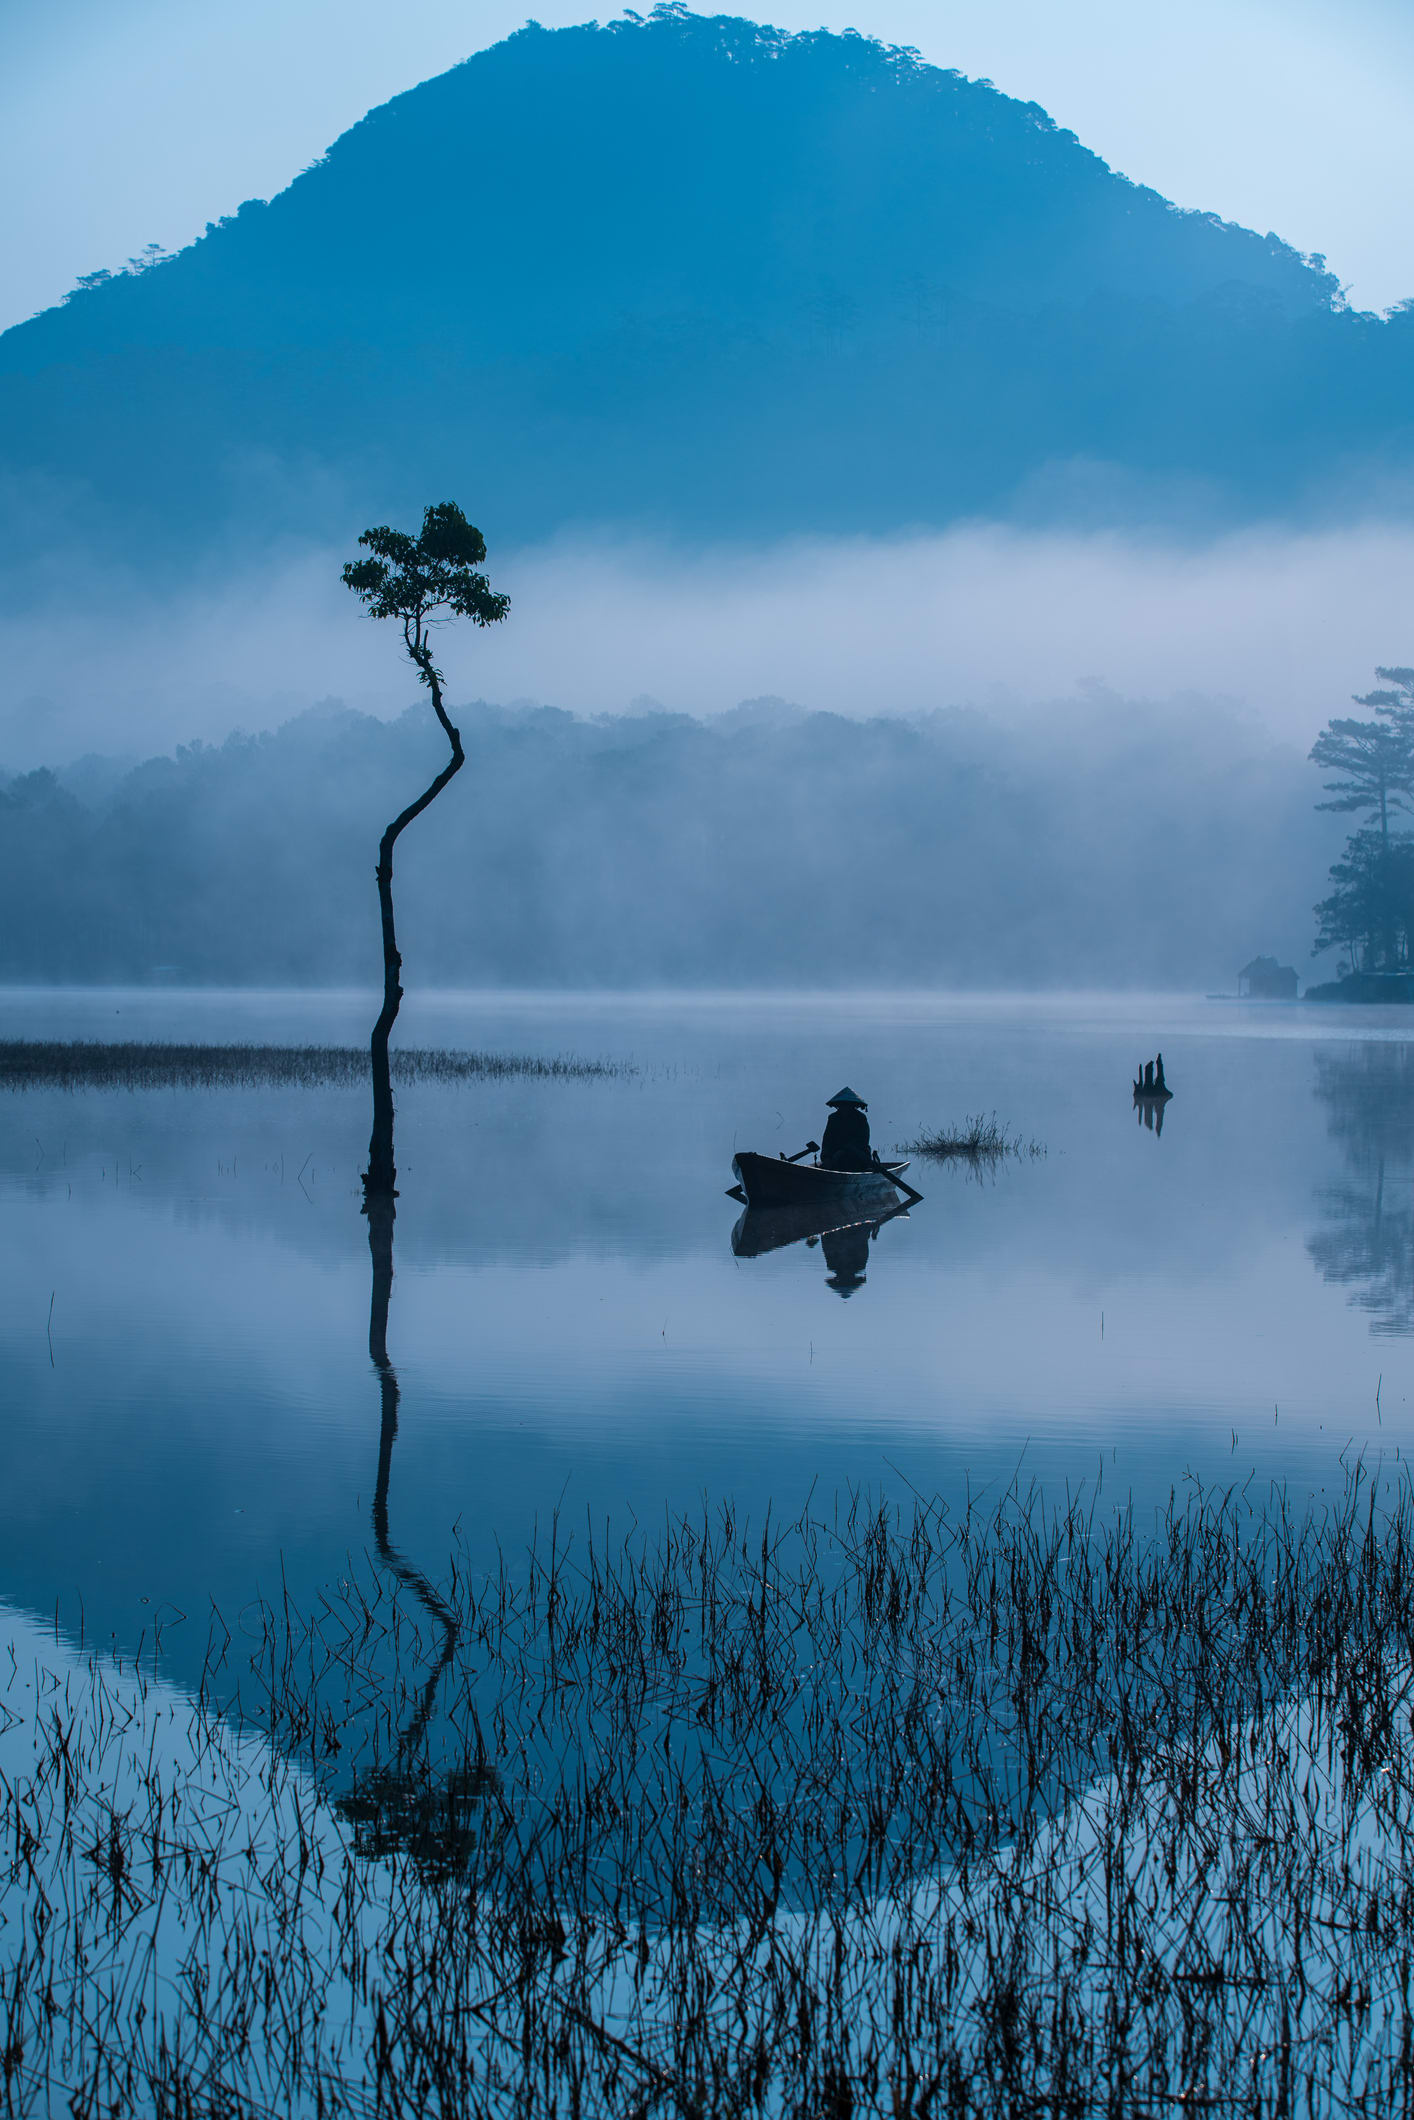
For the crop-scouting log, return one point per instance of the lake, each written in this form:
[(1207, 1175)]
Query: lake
[(191, 1416), (657, 1687)]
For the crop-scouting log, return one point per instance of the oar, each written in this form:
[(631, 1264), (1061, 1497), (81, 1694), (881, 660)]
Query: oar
[(811, 1147), (903, 1186)]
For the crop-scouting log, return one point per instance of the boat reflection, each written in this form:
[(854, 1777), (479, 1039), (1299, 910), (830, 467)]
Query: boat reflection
[(843, 1237)]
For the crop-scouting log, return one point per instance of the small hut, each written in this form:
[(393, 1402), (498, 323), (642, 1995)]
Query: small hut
[(1266, 980)]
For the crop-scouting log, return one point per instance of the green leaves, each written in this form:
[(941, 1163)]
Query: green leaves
[(424, 579)]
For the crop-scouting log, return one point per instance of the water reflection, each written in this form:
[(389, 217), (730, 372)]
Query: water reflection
[(844, 1244), (565, 1308), (847, 1255), (1366, 1242), (1149, 1109), (404, 1803)]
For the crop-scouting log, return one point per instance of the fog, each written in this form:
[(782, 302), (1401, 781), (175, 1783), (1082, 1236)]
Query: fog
[(1110, 843), (997, 756), (1287, 625)]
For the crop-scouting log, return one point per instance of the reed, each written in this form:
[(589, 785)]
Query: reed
[(82, 1064), (1003, 1809), (980, 1139)]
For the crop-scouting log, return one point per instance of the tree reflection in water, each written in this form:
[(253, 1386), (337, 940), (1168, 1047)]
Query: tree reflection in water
[(1366, 1241), (404, 1802)]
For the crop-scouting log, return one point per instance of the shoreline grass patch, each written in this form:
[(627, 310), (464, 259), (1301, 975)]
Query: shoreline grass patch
[(979, 1811), (87, 1064)]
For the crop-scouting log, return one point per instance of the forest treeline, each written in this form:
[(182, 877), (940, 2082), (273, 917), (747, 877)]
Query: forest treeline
[(1126, 845), (1369, 773)]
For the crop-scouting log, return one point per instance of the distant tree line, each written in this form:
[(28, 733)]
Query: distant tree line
[(1369, 768), (1148, 846)]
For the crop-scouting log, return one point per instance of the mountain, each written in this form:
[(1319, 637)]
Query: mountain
[(698, 276)]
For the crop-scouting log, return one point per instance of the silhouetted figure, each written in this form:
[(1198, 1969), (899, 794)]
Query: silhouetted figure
[(846, 1142), (1148, 1077), (1159, 1082), (847, 1255)]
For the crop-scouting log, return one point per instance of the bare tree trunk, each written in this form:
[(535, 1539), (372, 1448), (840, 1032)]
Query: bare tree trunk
[(380, 1178)]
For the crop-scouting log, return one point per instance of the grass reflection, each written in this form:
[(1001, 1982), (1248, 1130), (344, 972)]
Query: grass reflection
[(981, 1810)]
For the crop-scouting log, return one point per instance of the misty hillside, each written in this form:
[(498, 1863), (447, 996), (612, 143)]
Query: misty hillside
[(701, 276), (1143, 846)]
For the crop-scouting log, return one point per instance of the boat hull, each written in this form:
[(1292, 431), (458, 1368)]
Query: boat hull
[(769, 1181)]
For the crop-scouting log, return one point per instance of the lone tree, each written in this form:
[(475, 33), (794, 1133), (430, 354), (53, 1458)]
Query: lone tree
[(422, 582)]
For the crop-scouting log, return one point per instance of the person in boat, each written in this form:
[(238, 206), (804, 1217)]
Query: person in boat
[(846, 1142)]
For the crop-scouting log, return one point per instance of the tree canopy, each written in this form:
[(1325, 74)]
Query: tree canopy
[(1370, 773), (425, 580)]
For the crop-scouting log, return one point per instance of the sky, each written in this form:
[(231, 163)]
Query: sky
[(128, 122)]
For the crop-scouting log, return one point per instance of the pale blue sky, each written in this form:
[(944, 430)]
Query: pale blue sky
[(124, 122)]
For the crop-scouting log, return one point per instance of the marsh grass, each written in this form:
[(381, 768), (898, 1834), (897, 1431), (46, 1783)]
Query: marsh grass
[(980, 1139), (82, 1064), (990, 1811)]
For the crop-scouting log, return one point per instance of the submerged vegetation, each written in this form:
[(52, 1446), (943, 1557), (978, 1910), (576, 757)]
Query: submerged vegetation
[(85, 1064), (996, 1810), (979, 1139)]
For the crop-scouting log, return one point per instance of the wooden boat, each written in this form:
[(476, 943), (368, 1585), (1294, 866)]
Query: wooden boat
[(769, 1181), (1151, 1096), (762, 1229)]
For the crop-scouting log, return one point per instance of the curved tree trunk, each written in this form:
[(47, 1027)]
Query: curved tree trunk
[(380, 1178)]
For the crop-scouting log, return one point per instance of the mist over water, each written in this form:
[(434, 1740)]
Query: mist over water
[(197, 1413), (1120, 843), (1116, 792)]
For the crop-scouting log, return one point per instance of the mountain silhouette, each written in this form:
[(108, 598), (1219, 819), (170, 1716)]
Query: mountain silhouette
[(700, 276)]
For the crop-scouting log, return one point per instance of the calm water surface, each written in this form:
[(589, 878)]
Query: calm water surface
[(189, 1410)]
